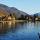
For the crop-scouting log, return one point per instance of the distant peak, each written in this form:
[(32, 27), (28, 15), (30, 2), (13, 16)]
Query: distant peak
[(2, 5), (14, 8)]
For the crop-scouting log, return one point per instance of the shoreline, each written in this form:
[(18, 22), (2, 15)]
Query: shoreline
[(19, 20)]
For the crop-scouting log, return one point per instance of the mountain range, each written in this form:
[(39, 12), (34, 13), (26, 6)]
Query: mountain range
[(5, 10)]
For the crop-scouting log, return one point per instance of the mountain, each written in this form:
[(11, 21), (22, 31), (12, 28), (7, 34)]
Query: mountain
[(5, 10), (37, 14)]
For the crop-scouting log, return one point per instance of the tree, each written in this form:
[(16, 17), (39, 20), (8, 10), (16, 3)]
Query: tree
[(26, 17), (14, 15), (22, 17), (10, 14)]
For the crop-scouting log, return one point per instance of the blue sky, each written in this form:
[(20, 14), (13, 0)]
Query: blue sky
[(28, 6)]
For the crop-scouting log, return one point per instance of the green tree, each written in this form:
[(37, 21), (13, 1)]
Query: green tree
[(22, 17)]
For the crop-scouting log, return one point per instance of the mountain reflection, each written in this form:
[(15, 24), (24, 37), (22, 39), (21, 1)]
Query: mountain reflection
[(13, 27), (5, 27), (19, 30)]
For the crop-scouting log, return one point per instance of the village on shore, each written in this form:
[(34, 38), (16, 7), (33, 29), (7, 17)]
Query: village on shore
[(12, 17), (12, 13)]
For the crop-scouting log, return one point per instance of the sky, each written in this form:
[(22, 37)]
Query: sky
[(28, 6)]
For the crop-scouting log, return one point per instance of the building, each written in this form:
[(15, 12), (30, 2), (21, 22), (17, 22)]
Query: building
[(9, 18), (13, 18)]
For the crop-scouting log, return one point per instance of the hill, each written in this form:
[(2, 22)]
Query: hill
[(5, 10)]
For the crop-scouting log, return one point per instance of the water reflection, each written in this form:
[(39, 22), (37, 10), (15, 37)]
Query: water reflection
[(3, 29), (6, 27), (20, 30), (9, 26)]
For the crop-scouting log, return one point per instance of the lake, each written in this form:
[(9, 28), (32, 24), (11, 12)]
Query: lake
[(19, 30)]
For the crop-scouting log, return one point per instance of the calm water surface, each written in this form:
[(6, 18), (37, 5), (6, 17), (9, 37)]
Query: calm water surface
[(19, 31)]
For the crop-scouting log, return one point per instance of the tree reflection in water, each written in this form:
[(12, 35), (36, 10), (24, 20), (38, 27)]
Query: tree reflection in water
[(17, 31), (5, 27), (10, 27)]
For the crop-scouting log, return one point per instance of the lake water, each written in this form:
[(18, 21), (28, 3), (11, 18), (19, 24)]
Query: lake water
[(19, 31)]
